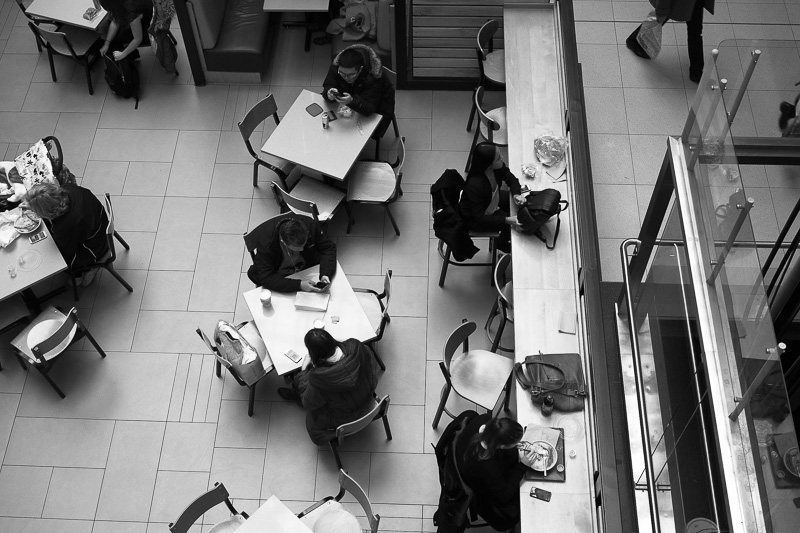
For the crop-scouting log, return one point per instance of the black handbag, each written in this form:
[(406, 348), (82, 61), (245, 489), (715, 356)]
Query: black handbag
[(559, 375), (541, 206)]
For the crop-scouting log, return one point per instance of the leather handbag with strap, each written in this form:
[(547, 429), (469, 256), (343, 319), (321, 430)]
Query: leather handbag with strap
[(559, 375)]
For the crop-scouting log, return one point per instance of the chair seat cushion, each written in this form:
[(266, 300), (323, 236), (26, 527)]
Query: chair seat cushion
[(331, 517), (508, 292), (494, 68), (251, 334), (371, 181), (326, 197), (480, 375), (53, 318), (229, 525), (372, 308), (500, 136)]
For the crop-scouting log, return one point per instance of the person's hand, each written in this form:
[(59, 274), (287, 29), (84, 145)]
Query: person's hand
[(308, 286), (325, 279), (526, 457), (519, 199), (306, 362), (344, 98), (513, 222), (104, 48), (118, 55), (333, 93)]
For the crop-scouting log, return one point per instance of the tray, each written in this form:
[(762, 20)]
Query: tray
[(553, 474)]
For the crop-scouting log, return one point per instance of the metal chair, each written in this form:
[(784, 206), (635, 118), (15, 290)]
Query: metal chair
[(83, 46), (196, 509), (47, 24), (377, 183), (376, 307), (108, 262), (256, 116), (53, 332), (503, 304), (250, 332), (491, 62), (346, 484), (492, 124), (445, 254), (311, 198), (378, 134), (380, 411), (478, 376)]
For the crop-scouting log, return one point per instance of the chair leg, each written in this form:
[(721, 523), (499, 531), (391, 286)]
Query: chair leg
[(74, 287), (387, 428), (217, 368), (442, 402), (493, 246), (391, 219), (492, 314), (121, 241), (334, 448), (255, 174), (378, 358), (21, 362), (52, 66), (252, 399), (474, 142), (509, 384), (472, 112), (445, 264), (51, 382), (396, 129), (119, 278), (377, 149), (498, 335), (349, 211), (94, 343), (89, 76)]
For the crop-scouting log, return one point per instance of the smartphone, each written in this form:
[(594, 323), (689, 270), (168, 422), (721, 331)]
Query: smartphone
[(36, 237), (314, 109), (331, 115), (294, 356), (540, 494), (321, 285)]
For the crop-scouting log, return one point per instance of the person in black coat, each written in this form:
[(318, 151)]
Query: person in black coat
[(289, 245), (483, 204), (77, 221)]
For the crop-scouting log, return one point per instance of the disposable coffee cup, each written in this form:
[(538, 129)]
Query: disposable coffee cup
[(319, 324), (266, 298)]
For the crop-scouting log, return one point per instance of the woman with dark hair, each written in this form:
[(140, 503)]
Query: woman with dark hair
[(336, 384), (489, 463), (483, 204), (127, 29)]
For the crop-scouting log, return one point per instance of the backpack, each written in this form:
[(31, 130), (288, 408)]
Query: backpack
[(122, 77), (541, 206), (455, 496)]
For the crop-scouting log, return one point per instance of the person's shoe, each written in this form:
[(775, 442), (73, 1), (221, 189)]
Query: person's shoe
[(695, 75), (289, 395), (325, 39), (88, 277)]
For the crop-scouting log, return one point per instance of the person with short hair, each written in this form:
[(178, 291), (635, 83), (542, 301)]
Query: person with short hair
[(77, 221), (336, 384), (287, 246), (355, 79)]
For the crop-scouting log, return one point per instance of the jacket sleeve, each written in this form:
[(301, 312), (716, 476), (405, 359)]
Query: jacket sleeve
[(265, 274), (312, 400), (67, 242), (369, 100), (505, 175), (326, 253), (330, 82), (474, 200)]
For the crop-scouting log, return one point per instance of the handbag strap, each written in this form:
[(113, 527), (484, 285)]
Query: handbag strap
[(557, 385), (542, 238)]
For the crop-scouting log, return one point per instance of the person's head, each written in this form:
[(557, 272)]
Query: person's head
[(484, 156), (497, 434), (47, 200), (293, 234), (320, 345), (351, 63), (788, 112)]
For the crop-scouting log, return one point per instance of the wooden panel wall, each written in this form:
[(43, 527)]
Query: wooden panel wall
[(444, 34)]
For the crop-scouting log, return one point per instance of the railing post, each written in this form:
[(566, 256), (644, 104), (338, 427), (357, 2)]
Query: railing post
[(774, 355), (744, 210), (754, 55)]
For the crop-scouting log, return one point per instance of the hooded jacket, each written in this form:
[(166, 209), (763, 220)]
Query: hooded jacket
[(340, 392), (80, 233), (372, 92)]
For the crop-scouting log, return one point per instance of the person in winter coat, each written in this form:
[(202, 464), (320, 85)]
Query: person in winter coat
[(355, 79), (77, 221), (483, 204), (288, 245), (336, 384), (690, 11)]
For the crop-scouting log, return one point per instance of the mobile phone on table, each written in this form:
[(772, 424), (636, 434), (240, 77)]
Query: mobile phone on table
[(294, 356), (540, 494), (36, 237)]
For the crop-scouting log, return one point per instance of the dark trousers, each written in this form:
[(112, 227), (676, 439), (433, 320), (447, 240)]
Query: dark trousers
[(504, 242), (694, 29)]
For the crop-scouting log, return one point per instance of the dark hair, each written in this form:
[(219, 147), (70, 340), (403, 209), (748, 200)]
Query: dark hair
[(482, 158), (350, 58), (293, 232), (47, 200), (320, 344), (497, 432), (116, 8), (788, 112)]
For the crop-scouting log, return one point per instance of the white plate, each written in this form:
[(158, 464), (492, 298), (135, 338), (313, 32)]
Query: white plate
[(26, 231), (43, 330), (553, 456)]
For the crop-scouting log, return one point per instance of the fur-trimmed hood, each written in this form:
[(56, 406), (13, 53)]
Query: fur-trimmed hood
[(369, 57)]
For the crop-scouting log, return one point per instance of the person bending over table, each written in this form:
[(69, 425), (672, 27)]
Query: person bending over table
[(489, 463), (127, 29), (289, 245), (356, 80), (483, 204), (77, 221), (336, 384)]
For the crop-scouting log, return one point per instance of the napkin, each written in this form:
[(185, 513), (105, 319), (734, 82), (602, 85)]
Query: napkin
[(534, 433), (7, 230)]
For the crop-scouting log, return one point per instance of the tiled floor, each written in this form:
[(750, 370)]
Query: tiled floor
[(144, 431)]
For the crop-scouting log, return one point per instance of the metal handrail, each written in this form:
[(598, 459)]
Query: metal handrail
[(637, 373)]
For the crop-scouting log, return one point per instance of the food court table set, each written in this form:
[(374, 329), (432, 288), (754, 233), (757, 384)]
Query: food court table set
[(545, 281)]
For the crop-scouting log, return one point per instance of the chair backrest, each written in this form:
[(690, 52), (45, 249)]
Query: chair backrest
[(384, 300), (197, 508), (485, 35), (347, 483), (56, 154), (258, 114), (379, 411), (296, 205), (502, 275), (110, 228), (55, 41), (390, 75), (459, 337), (72, 321), (401, 158), (252, 237), (491, 125)]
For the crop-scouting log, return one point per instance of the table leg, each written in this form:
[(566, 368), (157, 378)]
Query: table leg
[(34, 303), (306, 25)]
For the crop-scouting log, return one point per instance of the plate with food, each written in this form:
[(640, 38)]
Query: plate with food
[(27, 222), (792, 461), (545, 455)]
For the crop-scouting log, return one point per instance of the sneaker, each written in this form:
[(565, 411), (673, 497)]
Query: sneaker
[(88, 277)]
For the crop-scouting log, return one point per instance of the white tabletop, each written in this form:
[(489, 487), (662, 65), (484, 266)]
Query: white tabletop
[(67, 11), (45, 250), (301, 139), (302, 6), (273, 517), (283, 327), (544, 280)]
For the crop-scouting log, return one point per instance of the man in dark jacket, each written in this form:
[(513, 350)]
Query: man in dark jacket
[(287, 245), (355, 79)]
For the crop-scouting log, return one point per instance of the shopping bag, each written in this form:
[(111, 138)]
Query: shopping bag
[(649, 37)]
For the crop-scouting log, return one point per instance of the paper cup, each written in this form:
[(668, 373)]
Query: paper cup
[(266, 298)]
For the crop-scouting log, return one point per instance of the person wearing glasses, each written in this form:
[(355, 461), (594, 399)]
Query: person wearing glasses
[(355, 79), (289, 245)]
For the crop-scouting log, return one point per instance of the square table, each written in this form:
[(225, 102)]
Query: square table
[(301, 139), (67, 11), (298, 6), (274, 517), (283, 327)]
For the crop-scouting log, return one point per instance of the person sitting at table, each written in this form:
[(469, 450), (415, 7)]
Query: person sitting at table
[(355, 79), (77, 222), (127, 29), (483, 204), (336, 383), (289, 245), (489, 463)]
